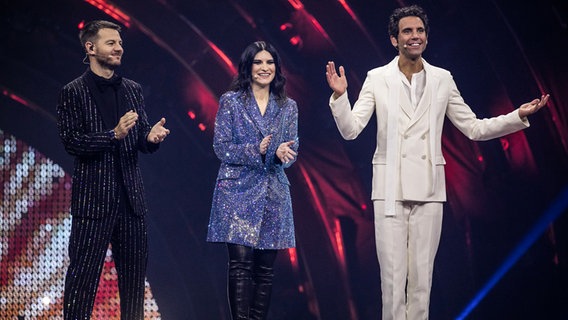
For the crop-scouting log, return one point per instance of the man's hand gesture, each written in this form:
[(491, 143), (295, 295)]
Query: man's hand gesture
[(158, 132), (337, 82)]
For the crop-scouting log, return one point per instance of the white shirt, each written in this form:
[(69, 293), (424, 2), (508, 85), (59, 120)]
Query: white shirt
[(415, 88)]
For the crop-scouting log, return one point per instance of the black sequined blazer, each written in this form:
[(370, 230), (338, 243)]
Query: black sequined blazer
[(86, 133)]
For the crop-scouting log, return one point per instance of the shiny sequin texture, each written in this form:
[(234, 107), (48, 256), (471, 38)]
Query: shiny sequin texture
[(251, 201)]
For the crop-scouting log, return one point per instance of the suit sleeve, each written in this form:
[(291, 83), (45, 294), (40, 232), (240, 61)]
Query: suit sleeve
[(463, 118), (226, 149), (351, 122), (72, 131)]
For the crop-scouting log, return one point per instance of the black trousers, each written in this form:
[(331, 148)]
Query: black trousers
[(88, 245)]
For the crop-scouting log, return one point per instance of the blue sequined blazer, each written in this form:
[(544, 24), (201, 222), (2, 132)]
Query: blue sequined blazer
[(251, 201), (85, 131)]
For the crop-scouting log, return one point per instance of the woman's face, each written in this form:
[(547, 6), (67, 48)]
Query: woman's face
[(263, 69)]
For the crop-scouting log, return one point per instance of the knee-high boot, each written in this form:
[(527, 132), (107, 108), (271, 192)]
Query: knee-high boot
[(262, 290), (240, 288)]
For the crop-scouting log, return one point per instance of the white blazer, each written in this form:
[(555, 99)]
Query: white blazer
[(408, 158)]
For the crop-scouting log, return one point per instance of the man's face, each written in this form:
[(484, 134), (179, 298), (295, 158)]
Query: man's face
[(107, 49), (412, 38)]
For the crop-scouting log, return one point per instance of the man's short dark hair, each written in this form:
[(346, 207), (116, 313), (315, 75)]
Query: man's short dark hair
[(411, 11), (90, 30)]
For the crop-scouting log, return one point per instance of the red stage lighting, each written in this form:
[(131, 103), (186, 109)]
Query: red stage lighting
[(296, 41), (111, 10)]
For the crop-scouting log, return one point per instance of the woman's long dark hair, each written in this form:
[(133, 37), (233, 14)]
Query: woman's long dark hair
[(243, 79)]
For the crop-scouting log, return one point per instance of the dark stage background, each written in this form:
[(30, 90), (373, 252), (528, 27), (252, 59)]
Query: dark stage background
[(184, 53)]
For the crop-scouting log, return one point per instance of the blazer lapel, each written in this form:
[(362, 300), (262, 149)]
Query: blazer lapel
[(271, 117), (405, 103), (423, 105), (427, 99), (252, 110)]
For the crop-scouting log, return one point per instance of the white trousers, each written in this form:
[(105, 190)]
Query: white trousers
[(406, 247)]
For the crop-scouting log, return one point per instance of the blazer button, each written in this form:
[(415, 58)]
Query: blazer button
[(423, 157)]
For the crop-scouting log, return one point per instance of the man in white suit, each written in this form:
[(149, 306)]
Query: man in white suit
[(410, 98)]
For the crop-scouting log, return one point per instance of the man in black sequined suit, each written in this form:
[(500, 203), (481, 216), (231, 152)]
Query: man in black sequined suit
[(102, 123)]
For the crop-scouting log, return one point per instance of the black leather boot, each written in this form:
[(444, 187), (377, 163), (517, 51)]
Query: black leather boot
[(262, 290), (240, 281)]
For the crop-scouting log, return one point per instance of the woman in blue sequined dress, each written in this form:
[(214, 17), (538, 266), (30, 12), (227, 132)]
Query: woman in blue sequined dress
[(256, 138)]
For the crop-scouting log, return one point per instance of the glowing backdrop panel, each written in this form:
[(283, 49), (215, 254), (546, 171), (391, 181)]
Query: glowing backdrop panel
[(34, 231)]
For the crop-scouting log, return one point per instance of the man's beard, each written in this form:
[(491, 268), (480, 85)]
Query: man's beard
[(104, 62)]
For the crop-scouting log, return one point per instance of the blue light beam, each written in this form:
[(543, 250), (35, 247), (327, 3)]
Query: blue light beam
[(554, 211)]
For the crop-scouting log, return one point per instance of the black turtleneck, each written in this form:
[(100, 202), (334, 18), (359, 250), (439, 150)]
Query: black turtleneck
[(107, 92)]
